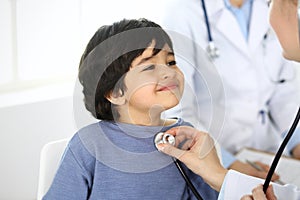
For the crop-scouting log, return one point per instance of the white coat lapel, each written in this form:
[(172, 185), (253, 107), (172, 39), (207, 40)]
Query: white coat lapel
[(232, 31), (259, 24)]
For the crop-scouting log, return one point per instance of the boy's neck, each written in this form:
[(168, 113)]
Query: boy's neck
[(150, 118), (160, 122), (142, 120), (145, 117)]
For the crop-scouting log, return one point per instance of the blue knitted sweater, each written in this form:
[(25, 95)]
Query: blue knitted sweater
[(109, 160)]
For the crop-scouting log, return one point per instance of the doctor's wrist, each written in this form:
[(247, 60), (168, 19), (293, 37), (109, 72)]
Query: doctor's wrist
[(215, 179)]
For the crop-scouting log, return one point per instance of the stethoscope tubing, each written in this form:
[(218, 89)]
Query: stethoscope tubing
[(210, 39), (280, 151), (212, 50), (163, 138), (187, 180)]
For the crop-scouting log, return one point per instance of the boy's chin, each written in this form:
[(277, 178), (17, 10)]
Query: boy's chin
[(162, 108)]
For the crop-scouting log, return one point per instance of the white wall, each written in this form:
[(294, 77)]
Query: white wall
[(28, 120), (24, 130)]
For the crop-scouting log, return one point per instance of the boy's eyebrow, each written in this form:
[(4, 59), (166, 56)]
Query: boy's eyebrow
[(147, 58), (144, 60)]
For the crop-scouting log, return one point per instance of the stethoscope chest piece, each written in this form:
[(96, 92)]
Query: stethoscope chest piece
[(212, 51), (163, 138)]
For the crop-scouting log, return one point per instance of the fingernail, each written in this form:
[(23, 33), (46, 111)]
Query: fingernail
[(160, 147)]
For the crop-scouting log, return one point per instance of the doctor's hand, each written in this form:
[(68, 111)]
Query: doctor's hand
[(250, 170), (296, 151), (198, 153), (258, 194)]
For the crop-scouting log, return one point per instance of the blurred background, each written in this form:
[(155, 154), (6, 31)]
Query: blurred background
[(41, 43)]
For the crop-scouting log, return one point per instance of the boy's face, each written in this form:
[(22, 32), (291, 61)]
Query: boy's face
[(283, 18), (154, 83)]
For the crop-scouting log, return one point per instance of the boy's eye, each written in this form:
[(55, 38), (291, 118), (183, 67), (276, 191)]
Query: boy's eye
[(150, 67), (172, 63)]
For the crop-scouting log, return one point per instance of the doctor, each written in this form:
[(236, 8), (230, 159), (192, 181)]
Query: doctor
[(260, 93), (285, 19), (200, 156)]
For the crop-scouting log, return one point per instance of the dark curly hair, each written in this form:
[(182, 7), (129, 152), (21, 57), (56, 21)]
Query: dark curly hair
[(108, 57)]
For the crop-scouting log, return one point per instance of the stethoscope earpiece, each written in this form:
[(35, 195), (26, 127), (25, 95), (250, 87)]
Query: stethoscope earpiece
[(163, 138)]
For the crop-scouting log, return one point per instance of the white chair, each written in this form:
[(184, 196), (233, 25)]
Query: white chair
[(51, 154)]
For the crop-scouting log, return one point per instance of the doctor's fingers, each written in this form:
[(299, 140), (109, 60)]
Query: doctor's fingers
[(183, 143), (247, 197), (201, 147), (190, 138), (266, 168), (262, 174), (171, 150), (193, 159), (270, 193), (186, 131), (252, 197), (257, 194), (182, 138)]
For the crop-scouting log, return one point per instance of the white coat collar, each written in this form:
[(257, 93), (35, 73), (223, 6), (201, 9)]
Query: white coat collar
[(220, 16)]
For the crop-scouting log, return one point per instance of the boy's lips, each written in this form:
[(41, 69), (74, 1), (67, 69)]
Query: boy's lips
[(168, 87)]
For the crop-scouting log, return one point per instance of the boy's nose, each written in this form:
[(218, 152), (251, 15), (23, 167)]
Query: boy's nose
[(166, 72)]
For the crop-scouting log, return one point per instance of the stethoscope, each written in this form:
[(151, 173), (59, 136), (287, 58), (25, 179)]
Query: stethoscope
[(162, 137), (211, 49), (213, 52)]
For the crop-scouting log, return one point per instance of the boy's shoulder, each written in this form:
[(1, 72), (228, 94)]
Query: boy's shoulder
[(84, 145), (84, 136), (89, 132)]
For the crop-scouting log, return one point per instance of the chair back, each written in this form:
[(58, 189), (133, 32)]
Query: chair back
[(50, 157)]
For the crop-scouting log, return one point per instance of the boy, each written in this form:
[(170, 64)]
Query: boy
[(129, 77)]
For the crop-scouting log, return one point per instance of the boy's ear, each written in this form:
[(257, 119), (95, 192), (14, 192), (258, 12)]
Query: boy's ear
[(116, 98)]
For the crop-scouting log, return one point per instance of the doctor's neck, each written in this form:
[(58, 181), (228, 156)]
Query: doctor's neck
[(237, 3)]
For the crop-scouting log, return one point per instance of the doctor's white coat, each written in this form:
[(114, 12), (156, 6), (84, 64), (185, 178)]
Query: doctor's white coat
[(249, 96)]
